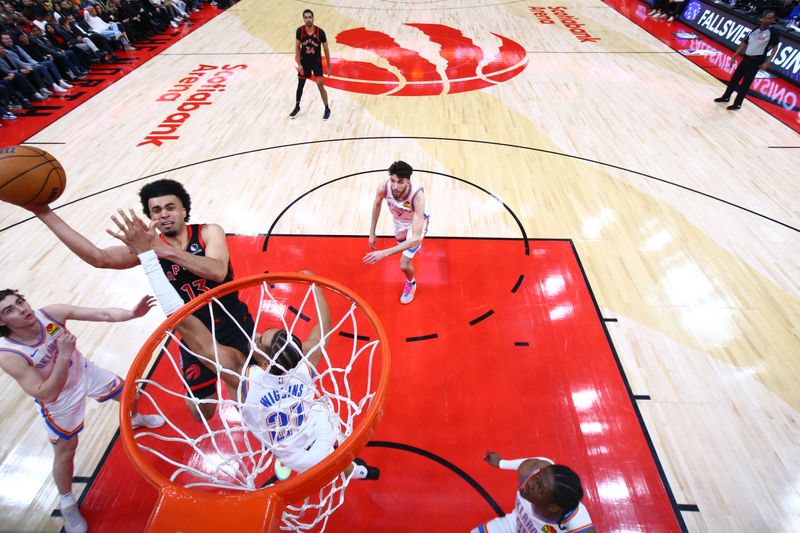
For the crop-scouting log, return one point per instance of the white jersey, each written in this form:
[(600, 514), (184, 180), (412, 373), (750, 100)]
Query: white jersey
[(277, 408), (41, 355), (528, 521), (402, 209)]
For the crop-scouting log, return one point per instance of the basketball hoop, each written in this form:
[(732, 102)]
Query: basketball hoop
[(215, 475)]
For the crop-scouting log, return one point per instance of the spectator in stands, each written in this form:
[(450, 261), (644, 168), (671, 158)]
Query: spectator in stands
[(10, 73), (667, 9), (788, 12), (40, 49), (63, 36), (18, 101), (109, 30), (46, 69), (135, 21), (754, 49), (5, 102), (24, 70), (83, 31)]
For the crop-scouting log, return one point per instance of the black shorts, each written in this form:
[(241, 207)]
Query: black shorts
[(202, 380), (312, 66)]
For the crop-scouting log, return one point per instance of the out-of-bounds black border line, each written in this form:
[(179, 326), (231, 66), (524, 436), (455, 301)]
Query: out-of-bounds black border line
[(418, 138), (631, 396), (445, 463), (382, 171)]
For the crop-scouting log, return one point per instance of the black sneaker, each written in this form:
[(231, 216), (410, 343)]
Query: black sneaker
[(734, 107), (294, 112), (722, 99), (372, 472), (327, 114)]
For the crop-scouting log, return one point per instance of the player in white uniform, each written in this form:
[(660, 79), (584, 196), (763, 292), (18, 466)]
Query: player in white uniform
[(282, 406), (548, 499), (406, 203), (38, 351)]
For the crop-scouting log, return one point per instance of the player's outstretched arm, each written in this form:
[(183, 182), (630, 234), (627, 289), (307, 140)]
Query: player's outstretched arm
[(316, 339), (417, 228), (134, 233), (523, 466), (376, 213), (31, 381), (64, 312), (116, 257)]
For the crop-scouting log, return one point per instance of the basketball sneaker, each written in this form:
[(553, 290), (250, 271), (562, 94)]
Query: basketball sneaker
[(408, 292), (327, 114), (282, 472), (373, 473), (295, 111), (73, 520), (147, 421)]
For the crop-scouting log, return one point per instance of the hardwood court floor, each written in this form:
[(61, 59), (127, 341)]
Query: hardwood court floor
[(686, 222)]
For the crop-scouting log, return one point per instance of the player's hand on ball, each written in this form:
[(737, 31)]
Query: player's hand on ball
[(493, 458), (372, 241), (373, 257), (144, 305), (39, 209)]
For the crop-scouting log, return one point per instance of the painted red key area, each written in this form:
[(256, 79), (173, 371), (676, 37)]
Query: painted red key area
[(535, 377)]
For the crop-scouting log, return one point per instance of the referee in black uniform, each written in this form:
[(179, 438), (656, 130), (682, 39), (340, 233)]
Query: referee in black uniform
[(755, 47), (309, 40)]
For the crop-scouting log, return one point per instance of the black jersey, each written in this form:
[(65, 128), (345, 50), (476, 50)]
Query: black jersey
[(310, 45), (189, 285)]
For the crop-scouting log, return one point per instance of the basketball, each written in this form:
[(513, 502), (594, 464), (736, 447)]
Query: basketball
[(30, 177)]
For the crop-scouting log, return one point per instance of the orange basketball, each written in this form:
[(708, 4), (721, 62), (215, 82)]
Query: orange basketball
[(30, 176)]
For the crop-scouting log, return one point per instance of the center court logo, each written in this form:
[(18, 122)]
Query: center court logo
[(462, 67)]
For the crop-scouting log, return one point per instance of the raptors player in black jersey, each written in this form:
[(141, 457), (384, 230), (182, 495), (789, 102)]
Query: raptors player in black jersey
[(195, 259), (309, 42)]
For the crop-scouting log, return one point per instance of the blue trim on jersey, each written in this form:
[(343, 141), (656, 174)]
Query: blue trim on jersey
[(37, 343), (482, 529), (45, 313), (113, 394), (23, 355), (587, 527), (60, 433)]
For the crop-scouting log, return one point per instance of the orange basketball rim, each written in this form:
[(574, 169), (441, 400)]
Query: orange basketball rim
[(182, 509)]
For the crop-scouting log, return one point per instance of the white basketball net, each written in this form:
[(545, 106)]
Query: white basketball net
[(225, 454)]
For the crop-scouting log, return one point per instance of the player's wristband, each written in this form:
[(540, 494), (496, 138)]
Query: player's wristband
[(514, 464)]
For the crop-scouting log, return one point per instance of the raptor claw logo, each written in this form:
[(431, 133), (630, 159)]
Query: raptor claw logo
[(463, 66), (192, 372)]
